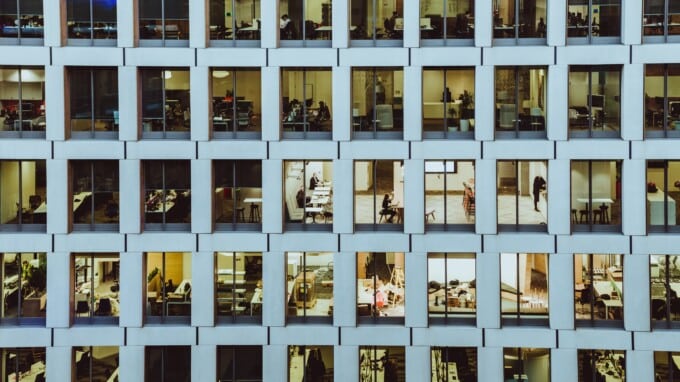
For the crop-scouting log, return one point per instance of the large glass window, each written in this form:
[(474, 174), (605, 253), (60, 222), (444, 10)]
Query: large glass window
[(239, 363), (374, 22), (235, 22), (165, 103), (664, 275), (306, 101), (661, 21), (596, 196), (524, 289), (598, 289), (167, 190), (95, 363), (666, 367), (308, 20), (164, 22), (167, 363), (594, 101), (382, 364), (238, 285), (447, 22), (310, 363), (236, 103), (92, 22), (24, 287), (168, 288), (519, 21), (662, 101), (23, 195), (21, 22), (308, 193), (22, 364), (95, 194), (449, 195), (238, 194), (379, 195), (526, 364), (520, 102), (93, 108), (22, 102), (601, 365), (448, 102), (310, 286), (522, 195), (663, 195), (453, 364), (377, 103), (451, 287), (593, 21), (96, 287), (381, 288)]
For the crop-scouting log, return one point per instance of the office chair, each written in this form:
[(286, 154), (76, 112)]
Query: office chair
[(82, 307), (34, 201), (104, 308)]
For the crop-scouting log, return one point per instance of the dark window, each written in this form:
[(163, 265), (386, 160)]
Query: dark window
[(379, 195), (167, 363), (235, 22), (596, 196), (595, 101), (662, 101), (451, 287), (519, 22), (310, 285), (526, 364), (310, 363), (92, 22), (382, 363), (168, 288), (165, 103), (95, 201), (96, 288), (239, 363), (524, 289), (238, 287), (381, 287), (95, 363), (447, 22), (167, 190), (306, 101), (238, 194), (377, 99), (598, 289), (663, 195), (593, 21), (449, 103), (93, 105), (521, 102), (23, 288), (308, 193), (661, 21), (22, 99), (450, 364), (21, 22), (600, 365), (374, 22), (236, 103), (164, 22), (23, 195)]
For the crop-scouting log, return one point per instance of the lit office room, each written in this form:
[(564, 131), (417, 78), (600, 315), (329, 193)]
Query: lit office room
[(451, 288), (27, 363), (95, 363), (662, 99), (378, 193), (238, 194), (376, 20), (24, 285), (522, 195), (382, 364), (448, 102), (310, 363), (596, 195), (165, 103), (310, 284), (377, 103), (236, 96), (602, 365), (519, 19), (454, 364), (594, 101), (524, 288), (663, 194), (447, 19), (665, 286), (21, 20), (381, 285), (23, 193), (598, 287), (308, 193), (306, 101), (520, 102), (306, 20), (22, 102), (235, 22), (238, 284), (450, 194), (168, 291), (526, 364), (96, 285)]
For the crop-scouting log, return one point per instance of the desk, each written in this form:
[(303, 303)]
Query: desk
[(611, 304), (257, 299), (586, 201), (30, 376), (248, 33), (253, 208), (365, 295), (606, 287), (655, 208), (435, 110)]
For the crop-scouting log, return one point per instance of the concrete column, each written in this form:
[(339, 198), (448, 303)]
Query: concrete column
[(272, 196), (561, 287), (411, 15), (131, 366), (631, 22), (126, 11), (343, 195), (413, 103), (55, 103), (341, 24), (59, 302), (128, 104), (345, 298), (485, 196), (198, 27), (415, 279), (275, 357), (342, 106), (203, 285), (269, 16), (274, 303), (484, 90), (132, 286), (483, 23), (271, 101), (418, 363), (640, 365), (633, 101), (203, 362), (130, 202), (557, 23), (200, 102), (634, 195), (559, 199), (54, 19), (202, 194), (348, 357), (563, 365), (488, 293), (58, 361), (58, 209), (491, 360), (414, 189), (636, 300), (557, 113)]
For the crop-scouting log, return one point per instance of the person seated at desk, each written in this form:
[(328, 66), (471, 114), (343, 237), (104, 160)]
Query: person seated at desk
[(387, 209), (313, 181), (324, 112)]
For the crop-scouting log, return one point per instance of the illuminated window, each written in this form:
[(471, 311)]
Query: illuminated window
[(447, 22), (309, 296), (664, 276), (24, 287), (165, 103), (23, 101), (594, 101), (449, 102), (379, 195), (310, 363), (598, 289), (95, 363), (593, 21), (306, 102), (168, 288), (238, 194), (236, 103), (23, 195), (450, 195), (308, 195), (600, 365), (451, 287), (93, 102), (524, 288), (521, 102), (374, 22), (238, 287), (596, 196), (519, 22), (382, 364), (522, 195), (377, 103), (526, 364), (381, 287), (234, 23), (96, 288)]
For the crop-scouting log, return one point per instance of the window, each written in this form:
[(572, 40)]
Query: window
[(519, 22), (165, 103), (454, 364), (24, 287), (164, 22), (382, 363), (26, 363), (526, 364), (94, 191), (234, 23), (662, 208), (447, 22), (599, 365), (310, 363), (167, 202), (524, 289), (520, 102), (306, 101), (377, 103), (310, 287), (594, 101), (308, 193), (167, 363), (22, 102), (239, 363), (381, 288), (95, 363), (168, 288), (23, 195), (238, 285), (307, 20), (22, 22), (96, 288), (448, 102), (374, 22), (665, 369), (236, 96), (379, 195), (661, 21), (662, 101), (598, 289), (451, 287), (593, 21), (450, 195), (665, 285), (91, 22), (238, 194), (93, 107), (522, 195), (596, 196)]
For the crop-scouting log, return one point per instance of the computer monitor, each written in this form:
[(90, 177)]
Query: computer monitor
[(596, 101)]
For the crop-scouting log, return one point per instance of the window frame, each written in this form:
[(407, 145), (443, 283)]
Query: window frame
[(40, 132), (665, 322), (443, 39), (308, 277), (147, 74), (234, 132), (590, 37), (76, 365), (397, 132), (468, 205), (93, 133), (516, 38), (465, 114), (253, 222), (518, 226), (19, 318), (307, 123), (593, 355), (671, 373), (91, 199), (373, 40), (376, 225), (253, 42), (234, 318), (235, 351), (592, 116), (301, 27), (520, 317), (666, 226), (517, 131), (164, 317), (591, 225), (92, 317), (367, 370), (666, 36), (162, 41), (164, 225), (375, 318), (589, 285), (667, 117), (109, 28), (20, 225), (17, 351), (449, 316), (19, 39), (522, 355), (291, 224), (164, 361)]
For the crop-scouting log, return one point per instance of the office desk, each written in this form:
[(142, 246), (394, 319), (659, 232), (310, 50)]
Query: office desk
[(296, 126), (248, 33), (257, 299), (365, 295), (655, 208), (605, 287), (322, 189), (36, 369)]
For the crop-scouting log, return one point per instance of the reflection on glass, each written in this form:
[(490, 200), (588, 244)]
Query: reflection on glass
[(239, 363), (381, 288), (168, 288), (238, 193), (22, 364), (598, 287), (167, 192), (310, 284), (376, 20), (306, 101), (662, 100), (593, 18), (22, 102), (165, 103), (665, 368), (91, 19), (238, 284), (95, 363), (21, 20), (93, 97), (451, 287), (308, 192), (234, 20), (310, 363), (95, 192), (167, 363), (23, 193), (448, 101), (24, 285), (377, 102), (519, 19), (524, 285), (520, 102), (379, 193), (601, 365), (96, 285), (449, 194), (382, 364), (522, 194), (526, 364), (164, 20), (236, 96), (447, 19), (665, 285), (453, 363), (596, 195)]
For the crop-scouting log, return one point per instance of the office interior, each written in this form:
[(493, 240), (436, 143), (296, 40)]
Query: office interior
[(451, 288), (662, 97), (515, 18), (376, 20), (598, 287), (23, 192), (596, 193), (308, 192), (377, 99), (164, 20), (93, 100), (454, 364), (95, 363), (594, 98), (450, 192), (588, 18), (380, 284), (526, 364), (374, 182), (96, 285), (22, 19), (167, 192), (524, 285), (24, 285), (601, 365), (382, 363), (516, 182), (654, 21), (92, 19), (310, 363), (236, 96), (234, 19), (447, 19), (666, 366), (165, 102), (168, 290), (22, 100), (306, 99), (665, 285), (238, 283), (309, 277), (448, 99), (307, 19), (95, 192), (663, 195), (22, 364), (238, 192), (520, 99)]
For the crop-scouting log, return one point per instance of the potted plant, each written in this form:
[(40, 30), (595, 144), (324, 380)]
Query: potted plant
[(467, 113), (36, 277), (451, 123)]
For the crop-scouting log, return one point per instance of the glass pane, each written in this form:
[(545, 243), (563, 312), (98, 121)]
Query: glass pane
[(653, 17), (105, 99), (526, 364), (78, 18), (23, 197), (23, 364), (225, 194), (448, 99), (176, 19), (310, 363), (8, 19), (655, 82), (105, 199), (308, 191), (597, 365), (451, 285), (606, 17), (310, 282), (318, 20), (248, 100), (177, 113), (95, 363), (306, 97), (450, 364), (249, 184), (23, 100), (673, 107), (381, 199), (449, 192), (664, 277), (292, 21), (81, 99), (381, 364), (598, 287), (524, 284), (167, 363), (362, 23), (96, 285), (532, 16), (380, 284), (604, 102), (377, 100), (168, 284), (152, 99), (151, 19), (178, 189), (223, 99), (532, 184), (577, 19), (504, 23), (248, 21), (239, 285), (506, 99), (532, 97)]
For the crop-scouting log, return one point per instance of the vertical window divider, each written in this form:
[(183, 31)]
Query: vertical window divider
[(446, 190), (165, 117), (91, 25), (92, 117), (21, 93), (20, 208), (234, 103), (163, 34)]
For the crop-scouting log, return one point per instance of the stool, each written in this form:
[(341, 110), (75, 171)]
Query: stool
[(240, 214), (597, 216), (573, 216), (428, 214), (582, 214), (254, 213), (604, 216)]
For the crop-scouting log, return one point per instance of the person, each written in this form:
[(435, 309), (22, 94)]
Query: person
[(313, 181), (300, 197), (287, 28), (284, 22), (387, 208), (379, 92), (541, 29), (539, 185), (324, 112)]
